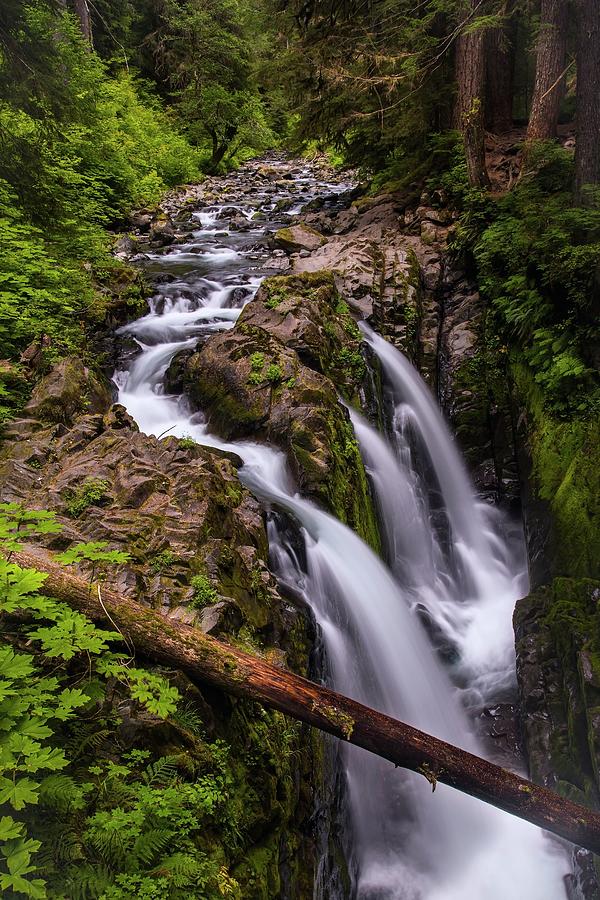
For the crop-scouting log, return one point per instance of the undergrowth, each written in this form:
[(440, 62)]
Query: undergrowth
[(84, 815), (537, 259)]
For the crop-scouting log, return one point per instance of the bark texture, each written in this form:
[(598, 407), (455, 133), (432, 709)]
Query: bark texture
[(500, 63), (587, 152), (549, 86), (469, 113), (205, 659), (83, 14)]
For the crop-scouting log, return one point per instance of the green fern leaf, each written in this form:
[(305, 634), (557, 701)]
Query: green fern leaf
[(152, 843), (162, 770)]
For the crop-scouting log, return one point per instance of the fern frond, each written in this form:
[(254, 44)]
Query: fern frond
[(86, 739), (86, 882), (151, 843), (61, 846), (187, 717), (182, 869), (163, 770), (61, 793), (110, 844)]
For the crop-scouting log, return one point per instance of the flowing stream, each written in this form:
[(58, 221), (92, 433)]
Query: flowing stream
[(425, 635)]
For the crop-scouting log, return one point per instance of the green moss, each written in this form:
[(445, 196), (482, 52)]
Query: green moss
[(162, 561), (285, 237), (566, 475), (257, 361), (344, 489), (351, 362), (338, 718), (273, 375), (91, 493), (566, 626)]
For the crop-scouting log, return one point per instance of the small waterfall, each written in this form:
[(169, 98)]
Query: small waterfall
[(467, 589), (408, 843)]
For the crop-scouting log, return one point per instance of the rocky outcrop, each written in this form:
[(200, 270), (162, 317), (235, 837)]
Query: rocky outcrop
[(558, 670), (178, 510), (475, 389), (276, 376), (198, 551), (374, 264), (387, 254)]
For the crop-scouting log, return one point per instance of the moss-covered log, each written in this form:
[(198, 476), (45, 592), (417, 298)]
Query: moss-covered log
[(207, 660)]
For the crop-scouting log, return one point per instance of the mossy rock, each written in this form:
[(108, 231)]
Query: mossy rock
[(276, 377), (565, 456), (299, 237), (181, 513), (558, 666), (69, 390)]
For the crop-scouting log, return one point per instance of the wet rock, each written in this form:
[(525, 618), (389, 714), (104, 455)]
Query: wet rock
[(222, 617), (230, 212), (125, 247), (162, 233), (142, 221), (67, 390), (175, 374), (240, 223), (299, 237), (177, 508)]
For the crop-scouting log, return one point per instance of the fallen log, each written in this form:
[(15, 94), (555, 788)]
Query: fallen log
[(210, 661)]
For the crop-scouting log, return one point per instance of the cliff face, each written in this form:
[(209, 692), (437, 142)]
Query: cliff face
[(557, 625)]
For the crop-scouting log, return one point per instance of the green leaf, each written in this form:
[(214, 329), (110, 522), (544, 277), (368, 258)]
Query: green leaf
[(14, 665), (18, 793), (10, 829), (18, 586), (94, 551), (69, 700)]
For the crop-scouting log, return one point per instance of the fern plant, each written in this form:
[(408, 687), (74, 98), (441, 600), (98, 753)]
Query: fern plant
[(46, 690)]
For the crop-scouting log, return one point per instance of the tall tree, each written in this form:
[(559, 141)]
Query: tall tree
[(83, 14), (469, 112), (587, 152), (549, 71), (500, 64)]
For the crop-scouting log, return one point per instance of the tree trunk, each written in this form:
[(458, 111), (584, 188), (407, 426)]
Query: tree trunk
[(549, 86), (207, 660), (500, 64), (218, 152), (83, 14), (469, 110), (587, 149)]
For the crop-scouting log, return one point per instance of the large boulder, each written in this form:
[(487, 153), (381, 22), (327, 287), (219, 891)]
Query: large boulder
[(70, 388)]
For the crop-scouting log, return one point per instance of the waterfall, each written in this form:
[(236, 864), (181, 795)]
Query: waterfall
[(409, 843)]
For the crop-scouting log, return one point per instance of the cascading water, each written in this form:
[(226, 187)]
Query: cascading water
[(466, 580), (409, 844)]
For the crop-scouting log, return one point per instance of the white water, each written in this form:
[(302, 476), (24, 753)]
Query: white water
[(410, 844)]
